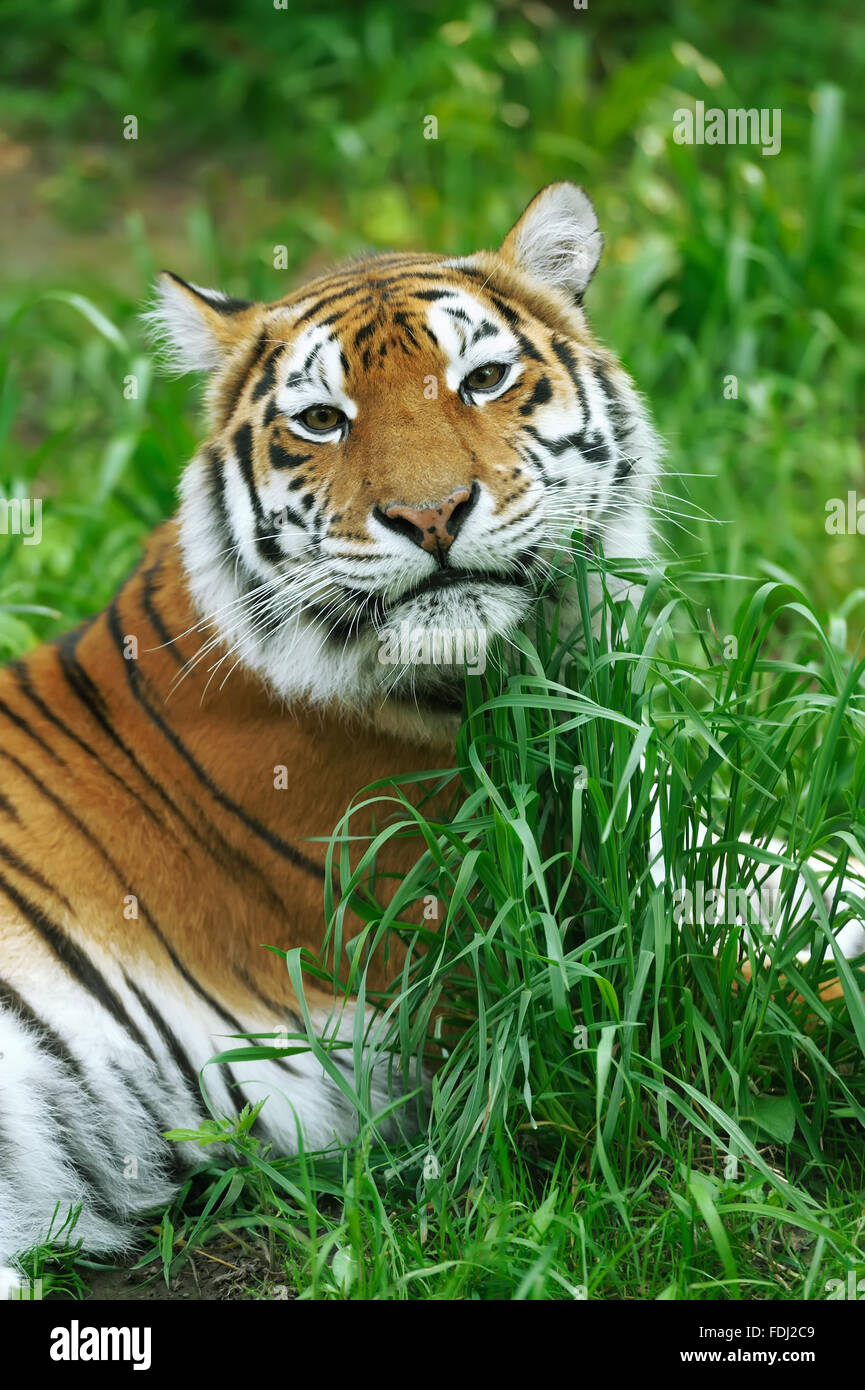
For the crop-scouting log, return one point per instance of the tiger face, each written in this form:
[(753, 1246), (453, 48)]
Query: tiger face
[(400, 454)]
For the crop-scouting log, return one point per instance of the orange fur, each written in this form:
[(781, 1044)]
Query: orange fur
[(102, 825)]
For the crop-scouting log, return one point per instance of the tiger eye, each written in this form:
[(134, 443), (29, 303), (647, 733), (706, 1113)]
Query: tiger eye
[(321, 418), (486, 377)]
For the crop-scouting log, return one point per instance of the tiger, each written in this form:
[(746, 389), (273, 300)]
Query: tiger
[(408, 439)]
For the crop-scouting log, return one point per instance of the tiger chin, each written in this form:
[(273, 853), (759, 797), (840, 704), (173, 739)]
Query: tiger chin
[(406, 445)]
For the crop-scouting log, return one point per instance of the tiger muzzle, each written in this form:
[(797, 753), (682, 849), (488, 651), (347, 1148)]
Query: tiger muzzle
[(433, 528)]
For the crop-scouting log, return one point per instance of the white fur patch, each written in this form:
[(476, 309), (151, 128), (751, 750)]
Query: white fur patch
[(180, 329), (317, 382), (454, 320), (761, 926), (76, 1138), (557, 240)]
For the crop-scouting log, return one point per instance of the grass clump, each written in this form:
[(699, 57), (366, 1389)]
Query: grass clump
[(622, 1111)]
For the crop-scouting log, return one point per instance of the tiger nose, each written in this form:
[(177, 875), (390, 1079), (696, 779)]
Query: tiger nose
[(434, 527)]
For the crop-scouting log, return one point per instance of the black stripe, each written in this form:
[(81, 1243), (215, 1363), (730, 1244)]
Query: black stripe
[(242, 376), (346, 625), (51, 1041), (280, 1010), (82, 686), (621, 425), (65, 1123), (270, 838), (528, 347), (75, 1147), (148, 601), (309, 359), (7, 807), (406, 266), (267, 380), (356, 281), (54, 1045), (484, 330), (216, 846), (33, 875), (286, 514), (281, 458), (233, 1084), (64, 810), (365, 332), (359, 302), (122, 880), (555, 447), (322, 303), (171, 1042), (175, 1167), (79, 681), (266, 544), (404, 322), (533, 455), (598, 452), (618, 413), (228, 305), (508, 313), (568, 360), (541, 393), (146, 915), (435, 295), (25, 728), (77, 963), (216, 480), (25, 685)]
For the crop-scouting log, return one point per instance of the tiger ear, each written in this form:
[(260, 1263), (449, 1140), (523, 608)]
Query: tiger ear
[(193, 329), (557, 240)]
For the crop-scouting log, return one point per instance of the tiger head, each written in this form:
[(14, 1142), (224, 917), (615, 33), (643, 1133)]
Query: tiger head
[(400, 452)]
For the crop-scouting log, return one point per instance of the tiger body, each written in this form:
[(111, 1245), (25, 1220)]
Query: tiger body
[(149, 850), (410, 441)]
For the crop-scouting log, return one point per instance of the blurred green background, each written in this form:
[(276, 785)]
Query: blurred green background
[(303, 127)]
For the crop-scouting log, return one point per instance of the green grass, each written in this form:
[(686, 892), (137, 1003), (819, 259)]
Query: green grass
[(611, 1062), (599, 1166)]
